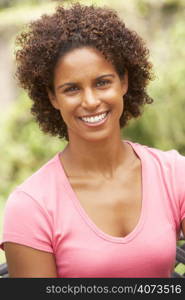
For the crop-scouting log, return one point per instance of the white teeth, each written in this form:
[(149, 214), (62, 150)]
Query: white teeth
[(94, 119)]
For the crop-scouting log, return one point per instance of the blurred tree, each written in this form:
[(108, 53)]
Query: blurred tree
[(6, 3), (24, 148), (9, 3), (162, 124)]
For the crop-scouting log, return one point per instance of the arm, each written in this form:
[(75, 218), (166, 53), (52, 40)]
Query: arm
[(24, 261), (27, 238), (183, 227)]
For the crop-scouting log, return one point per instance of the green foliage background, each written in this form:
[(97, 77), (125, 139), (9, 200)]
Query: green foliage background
[(24, 148)]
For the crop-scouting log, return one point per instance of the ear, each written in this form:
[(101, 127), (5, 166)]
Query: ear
[(124, 82), (53, 99)]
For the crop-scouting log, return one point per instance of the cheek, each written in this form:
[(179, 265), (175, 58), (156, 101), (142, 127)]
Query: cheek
[(121, 105), (116, 100), (113, 95), (110, 94), (67, 109)]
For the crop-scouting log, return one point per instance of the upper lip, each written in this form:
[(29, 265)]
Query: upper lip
[(93, 115)]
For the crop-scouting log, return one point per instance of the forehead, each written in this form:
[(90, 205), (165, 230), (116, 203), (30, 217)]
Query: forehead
[(83, 62)]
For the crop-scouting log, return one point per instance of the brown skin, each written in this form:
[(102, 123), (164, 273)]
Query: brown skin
[(25, 261), (98, 152)]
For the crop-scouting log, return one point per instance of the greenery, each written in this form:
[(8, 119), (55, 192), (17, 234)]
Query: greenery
[(163, 124), (24, 148)]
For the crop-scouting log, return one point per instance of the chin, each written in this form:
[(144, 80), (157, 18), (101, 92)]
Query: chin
[(97, 137)]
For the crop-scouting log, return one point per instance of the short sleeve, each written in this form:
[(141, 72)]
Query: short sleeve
[(26, 222), (180, 179)]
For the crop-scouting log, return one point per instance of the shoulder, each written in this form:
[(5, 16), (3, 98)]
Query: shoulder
[(31, 208), (164, 158), (41, 184), (168, 166), (167, 169)]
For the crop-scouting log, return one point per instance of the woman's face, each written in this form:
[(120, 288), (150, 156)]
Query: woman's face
[(89, 94)]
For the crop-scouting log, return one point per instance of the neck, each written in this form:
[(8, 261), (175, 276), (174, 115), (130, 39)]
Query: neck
[(94, 157)]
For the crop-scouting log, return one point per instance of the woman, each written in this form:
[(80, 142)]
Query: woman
[(103, 207)]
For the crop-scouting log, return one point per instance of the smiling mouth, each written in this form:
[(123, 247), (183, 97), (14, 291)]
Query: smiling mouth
[(95, 119)]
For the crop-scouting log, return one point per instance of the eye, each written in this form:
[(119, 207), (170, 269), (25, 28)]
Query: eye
[(71, 89), (103, 83)]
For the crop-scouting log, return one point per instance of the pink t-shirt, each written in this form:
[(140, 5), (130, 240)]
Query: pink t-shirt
[(45, 213)]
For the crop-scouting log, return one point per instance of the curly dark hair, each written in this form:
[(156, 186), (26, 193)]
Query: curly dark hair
[(51, 36)]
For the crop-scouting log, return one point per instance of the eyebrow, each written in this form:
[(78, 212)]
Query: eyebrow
[(73, 83)]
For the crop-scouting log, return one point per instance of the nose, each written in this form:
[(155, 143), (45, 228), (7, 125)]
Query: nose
[(90, 100)]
